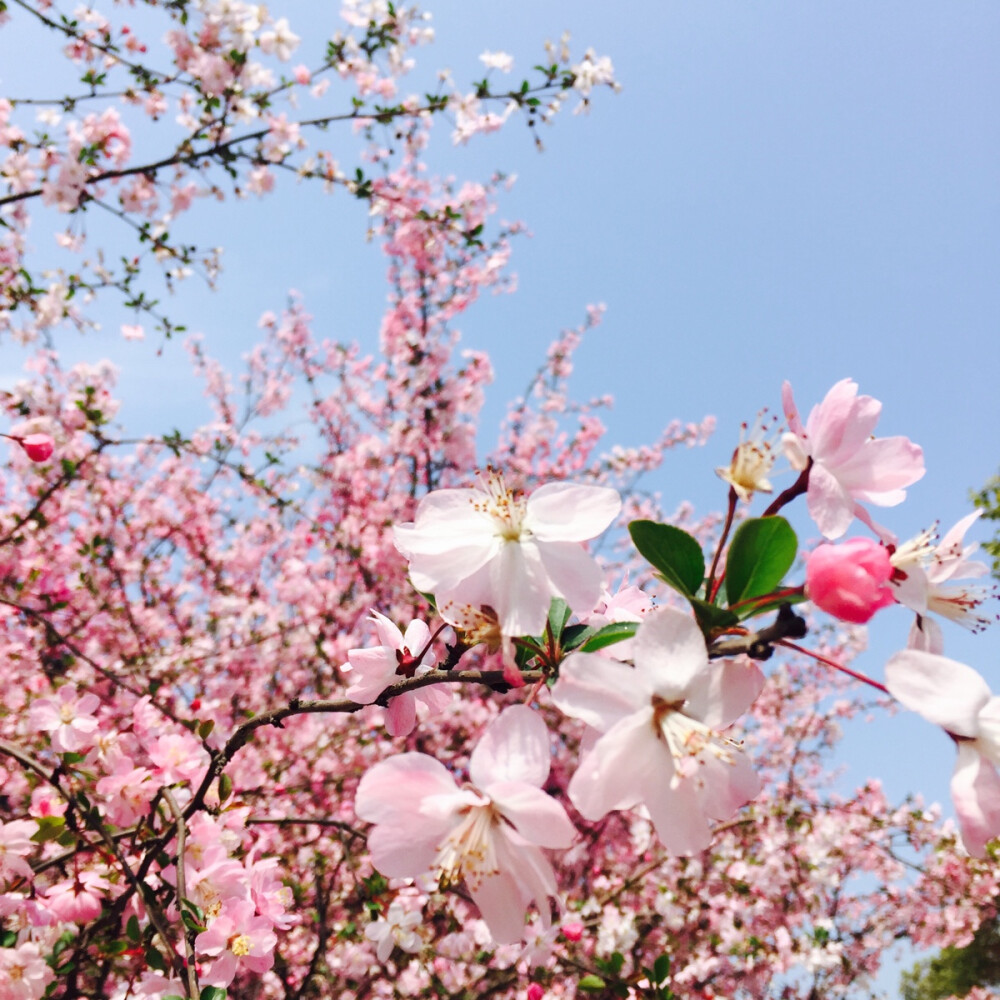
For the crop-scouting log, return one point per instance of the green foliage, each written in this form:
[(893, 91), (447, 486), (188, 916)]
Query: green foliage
[(673, 552), (761, 553), (956, 970), (988, 500)]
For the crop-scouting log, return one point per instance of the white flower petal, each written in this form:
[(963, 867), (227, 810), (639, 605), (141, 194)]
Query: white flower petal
[(566, 512), (943, 691)]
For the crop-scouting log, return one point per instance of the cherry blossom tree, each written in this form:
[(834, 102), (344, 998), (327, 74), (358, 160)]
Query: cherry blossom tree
[(250, 663)]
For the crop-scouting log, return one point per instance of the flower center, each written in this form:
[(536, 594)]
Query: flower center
[(469, 852), (504, 506), (688, 739), (239, 944)]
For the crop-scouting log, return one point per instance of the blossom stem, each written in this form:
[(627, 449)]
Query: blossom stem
[(711, 588), (787, 496), (834, 664)]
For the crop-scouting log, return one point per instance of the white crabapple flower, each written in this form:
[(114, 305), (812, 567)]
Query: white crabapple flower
[(752, 459), (924, 575), (955, 697), (849, 463), (488, 834), (660, 722), (397, 656), (494, 547), (396, 929)]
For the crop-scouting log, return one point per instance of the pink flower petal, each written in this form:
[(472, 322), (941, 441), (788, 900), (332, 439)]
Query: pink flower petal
[(975, 791), (515, 747)]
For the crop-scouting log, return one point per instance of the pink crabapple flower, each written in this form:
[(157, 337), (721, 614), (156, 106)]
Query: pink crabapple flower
[(15, 844), (488, 834), (660, 722), (848, 463), (398, 656), (24, 973), (68, 718), (494, 547), (851, 580), (236, 939), (955, 697)]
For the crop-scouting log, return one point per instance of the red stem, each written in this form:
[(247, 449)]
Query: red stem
[(834, 664)]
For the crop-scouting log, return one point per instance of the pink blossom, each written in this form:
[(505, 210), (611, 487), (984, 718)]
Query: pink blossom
[(178, 757), (492, 546), (127, 792), (67, 718), (848, 463), (850, 581), (15, 844), (398, 656), (24, 973), (78, 900), (660, 744), (487, 834), (952, 695), (236, 939)]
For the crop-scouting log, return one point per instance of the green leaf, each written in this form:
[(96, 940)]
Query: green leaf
[(559, 613), (609, 634), (761, 553), (675, 553), (661, 969), (49, 828), (132, 928), (575, 636), (591, 982), (712, 620), (768, 605), (155, 960), (213, 993)]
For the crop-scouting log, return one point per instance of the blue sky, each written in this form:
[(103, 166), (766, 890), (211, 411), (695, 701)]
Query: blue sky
[(781, 190)]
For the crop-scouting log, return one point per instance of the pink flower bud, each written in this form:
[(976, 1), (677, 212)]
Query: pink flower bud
[(38, 447), (572, 931), (849, 581), (535, 992)]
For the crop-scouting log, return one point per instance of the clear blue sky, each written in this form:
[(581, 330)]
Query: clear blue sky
[(782, 190)]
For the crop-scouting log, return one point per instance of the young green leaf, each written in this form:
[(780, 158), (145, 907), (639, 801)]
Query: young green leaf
[(676, 554), (761, 553)]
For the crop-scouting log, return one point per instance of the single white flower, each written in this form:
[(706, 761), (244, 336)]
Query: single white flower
[(493, 547)]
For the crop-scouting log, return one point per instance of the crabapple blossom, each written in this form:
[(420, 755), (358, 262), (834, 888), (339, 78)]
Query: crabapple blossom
[(398, 656), (236, 939), (395, 930), (848, 464), (15, 843), (24, 973), (660, 722), (752, 461), (850, 580), (488, 834), (493, 547), (955, 697), (68, 718), (924, 573)]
